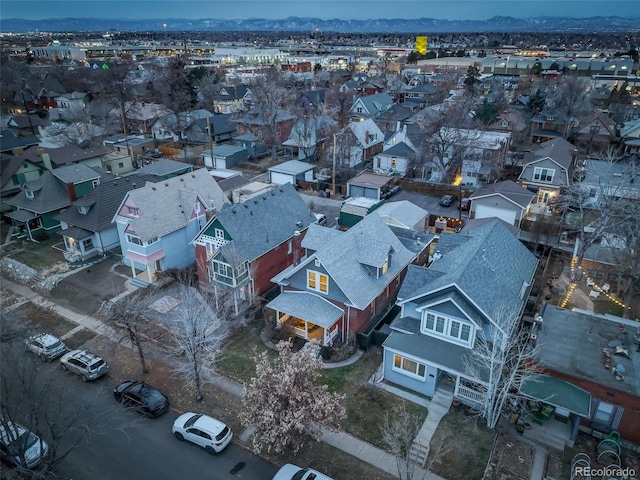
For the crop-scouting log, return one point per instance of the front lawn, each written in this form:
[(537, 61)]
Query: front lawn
[(40, 256), (366, 405)]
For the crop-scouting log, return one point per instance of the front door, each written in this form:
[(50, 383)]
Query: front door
[(543, 195)]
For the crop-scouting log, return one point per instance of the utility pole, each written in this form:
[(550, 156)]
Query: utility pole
[(334, 166)]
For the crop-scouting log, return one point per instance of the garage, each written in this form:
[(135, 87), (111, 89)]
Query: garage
[(291, 172), (485, 211), (281, 178)]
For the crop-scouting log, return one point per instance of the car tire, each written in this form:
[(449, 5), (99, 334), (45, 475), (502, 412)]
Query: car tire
[(84, 379), (210, 450), (63, 366), (179, 436)]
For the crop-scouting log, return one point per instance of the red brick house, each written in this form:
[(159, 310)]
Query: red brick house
[(243, 246), (599, 354)]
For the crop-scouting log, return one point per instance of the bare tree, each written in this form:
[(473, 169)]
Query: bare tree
[(399, 434), (572, 97), (628, 259), (200, 333), (283, 400), (35, 398), (499, 362)]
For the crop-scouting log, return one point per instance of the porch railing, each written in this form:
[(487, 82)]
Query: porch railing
[(470, 394)]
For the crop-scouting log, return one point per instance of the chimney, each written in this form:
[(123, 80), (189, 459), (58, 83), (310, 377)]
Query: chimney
[(46, 159), (366, 137)]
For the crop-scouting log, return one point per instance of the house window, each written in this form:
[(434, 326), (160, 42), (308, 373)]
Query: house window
[(440, 324), (317, 281), (604, 413), (219, 233), (409, 367), (87, 244), (121, 165), (95, 182), (459, 330), (430, 321), (359, 110), (394, 160), (134, 239), (543, 174), (135, 211), (29, 193)]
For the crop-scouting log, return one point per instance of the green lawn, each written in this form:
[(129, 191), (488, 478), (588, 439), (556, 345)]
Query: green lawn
[(237, 361), (604, 305), (40, 256)]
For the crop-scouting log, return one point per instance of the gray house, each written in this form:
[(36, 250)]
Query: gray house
[(448, 306), (505, 200), (224, 157)]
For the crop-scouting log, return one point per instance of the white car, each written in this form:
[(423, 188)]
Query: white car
[(209, 433), (19, 446), (293, 472), (45, 345)]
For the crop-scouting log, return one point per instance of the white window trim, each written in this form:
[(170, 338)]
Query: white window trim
[(446, 334), (317, 287), (408, 373), (537, 172)]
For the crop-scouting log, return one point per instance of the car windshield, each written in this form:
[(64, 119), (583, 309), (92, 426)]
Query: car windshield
[(299, 474), (54, 345), (191, 421), (97, 364), (152, 396)]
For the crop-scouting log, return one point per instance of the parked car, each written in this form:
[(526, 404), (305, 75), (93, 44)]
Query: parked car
[(141, 397), (292, 472), (85, 364), (19, 446), (464, 204), (209, 433), (321, 219), (447, 200), (45, 345)]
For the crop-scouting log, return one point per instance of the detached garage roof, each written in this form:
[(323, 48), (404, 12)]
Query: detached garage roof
[(508, 189), (292, 167)]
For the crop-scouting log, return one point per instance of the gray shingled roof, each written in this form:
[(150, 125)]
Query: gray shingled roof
[(400, 150), (293, 167), (346, 259), (309, 306), (75, 173), (164, 166), (509, 190), (166, 206), (49, 195), (489, 266), (103, 202), (402, 211), (263, 222)]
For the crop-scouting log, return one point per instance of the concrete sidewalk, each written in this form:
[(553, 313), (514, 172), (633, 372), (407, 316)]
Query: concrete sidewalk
[(341, 440)]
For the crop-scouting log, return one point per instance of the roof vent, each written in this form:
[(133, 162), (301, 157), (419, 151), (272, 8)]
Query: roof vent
[(299, 224)]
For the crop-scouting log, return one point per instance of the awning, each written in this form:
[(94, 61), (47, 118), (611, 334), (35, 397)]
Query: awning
[(307, 306), (558, 393), (145, 259), (22, 215), (76, 233)]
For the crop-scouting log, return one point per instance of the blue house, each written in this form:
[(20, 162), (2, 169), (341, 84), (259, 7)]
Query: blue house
[(157, 222), (448, 306)]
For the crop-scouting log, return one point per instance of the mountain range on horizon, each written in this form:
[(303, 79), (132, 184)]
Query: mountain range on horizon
[(298, 24)]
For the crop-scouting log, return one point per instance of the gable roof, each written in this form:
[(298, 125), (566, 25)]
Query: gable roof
[(219, 124), (72, 153), (164, 166), (167, 206), (375, 104), (488, 266), (400, 150), (9, 165), (402, 211), (556, 149), (263, 222), (77, 173), (103, 202), (349, 255), (365, 131), (508, 189), (49, 195), (9, 141)]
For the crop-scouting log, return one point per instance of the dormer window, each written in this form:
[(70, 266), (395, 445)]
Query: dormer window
[(83, 209), (29, 194), (133, 211), (317, 281)]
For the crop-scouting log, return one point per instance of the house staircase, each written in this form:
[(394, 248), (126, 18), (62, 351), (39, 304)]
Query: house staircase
[(438, 408)]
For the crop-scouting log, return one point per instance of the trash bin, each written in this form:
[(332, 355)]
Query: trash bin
[(328, 193), (321, 193)]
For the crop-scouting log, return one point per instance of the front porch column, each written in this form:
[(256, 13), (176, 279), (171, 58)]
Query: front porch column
[(133, 269)]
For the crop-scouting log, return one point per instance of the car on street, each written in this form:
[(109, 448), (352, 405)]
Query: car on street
[(293, 472), (19, 446), (45, 345), (141, 397), (464, 204), (86, 364), (447, 200), (321, 219), (203, 430)]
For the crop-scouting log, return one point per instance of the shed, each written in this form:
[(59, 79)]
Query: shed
[(224, 157), (291, 172), (369, 185), (355, 209)]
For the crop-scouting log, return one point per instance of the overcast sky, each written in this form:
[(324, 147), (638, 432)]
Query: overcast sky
[(324, 9)]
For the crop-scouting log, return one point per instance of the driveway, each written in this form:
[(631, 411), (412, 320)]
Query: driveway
[(86, 290)]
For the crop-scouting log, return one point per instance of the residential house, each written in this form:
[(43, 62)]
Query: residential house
[(548, 169), (630, 137), (345, 284), (231, 98), (358, 142), (292, 171), (41, 97), (251, 143), (425, 95), (596, 134), (157, 222), (164, 169), (395, 158), (14, 144), (309, 135), (594, 353), (224, 157), (69, 105), (174, 127), (446, 308), (216, 129), (404, 214), (506, 200), (141, 116), (15, 171), (262, 126), (244, 245), (397, 113), (313, 98), (547, 125), (25, 125), (86, 225), (41, 200), (369, 185), (371, 106)]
